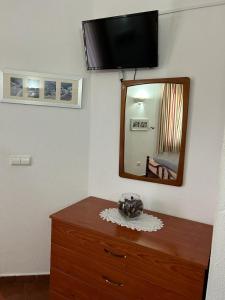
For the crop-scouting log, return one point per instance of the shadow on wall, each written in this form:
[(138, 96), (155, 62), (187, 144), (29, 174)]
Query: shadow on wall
[(216, 288)]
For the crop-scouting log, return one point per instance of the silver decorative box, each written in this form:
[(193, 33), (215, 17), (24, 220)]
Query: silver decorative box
[(130, 205)]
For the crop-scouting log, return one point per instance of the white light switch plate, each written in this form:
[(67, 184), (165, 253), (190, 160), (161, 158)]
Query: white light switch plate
[(14, 160), (20, 160)]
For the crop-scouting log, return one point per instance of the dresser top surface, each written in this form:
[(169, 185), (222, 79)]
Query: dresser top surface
[(184, 239)]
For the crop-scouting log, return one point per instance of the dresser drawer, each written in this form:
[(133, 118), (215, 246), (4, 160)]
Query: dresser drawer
[(55, 296), (73, 288), (146, 266), (105, 278), (69, 287)]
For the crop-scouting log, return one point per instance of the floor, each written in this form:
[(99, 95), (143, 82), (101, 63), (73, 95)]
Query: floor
[(24, 288)]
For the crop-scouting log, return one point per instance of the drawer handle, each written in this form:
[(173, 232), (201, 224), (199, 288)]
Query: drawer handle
[(109, 281), (114, 254)]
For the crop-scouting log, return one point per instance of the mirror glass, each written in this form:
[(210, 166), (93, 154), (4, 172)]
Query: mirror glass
[(153, 129)]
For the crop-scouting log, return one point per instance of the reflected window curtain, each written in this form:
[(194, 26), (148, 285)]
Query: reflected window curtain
[(171, 115)]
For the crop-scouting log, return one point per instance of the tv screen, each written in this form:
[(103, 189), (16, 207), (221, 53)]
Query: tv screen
[(128, 41)]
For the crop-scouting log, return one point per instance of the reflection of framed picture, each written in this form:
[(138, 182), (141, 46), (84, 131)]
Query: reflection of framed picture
[(40, 89), (139, 124)]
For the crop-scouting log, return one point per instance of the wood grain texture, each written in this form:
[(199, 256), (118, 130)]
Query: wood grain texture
[(186, 87), (180, 238), (156, 274), (70, 287), (35, 287), (98, 287), (56, 296), (94, 259)]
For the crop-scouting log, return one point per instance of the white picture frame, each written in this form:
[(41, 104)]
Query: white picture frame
[(22, 87), (139, 124)]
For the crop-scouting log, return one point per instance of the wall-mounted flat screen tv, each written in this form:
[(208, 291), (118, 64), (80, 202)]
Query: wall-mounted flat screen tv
[(128, 41)]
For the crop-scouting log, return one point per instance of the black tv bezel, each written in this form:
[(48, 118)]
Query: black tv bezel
[(116, 17)]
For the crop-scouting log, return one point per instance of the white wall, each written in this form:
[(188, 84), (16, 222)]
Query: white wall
[(190, 44), (216, 284), (42, 36)]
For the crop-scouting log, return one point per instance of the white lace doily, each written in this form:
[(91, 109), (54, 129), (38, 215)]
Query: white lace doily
[(143, 223)]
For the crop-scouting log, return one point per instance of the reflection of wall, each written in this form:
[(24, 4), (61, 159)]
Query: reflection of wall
[(140, 144)]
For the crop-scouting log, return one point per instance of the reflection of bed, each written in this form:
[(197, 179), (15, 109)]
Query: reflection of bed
[(160, 168)]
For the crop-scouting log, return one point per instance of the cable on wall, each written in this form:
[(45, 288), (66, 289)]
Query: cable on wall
[(167, 12), (135, 72), (122, 73), (194, 7)]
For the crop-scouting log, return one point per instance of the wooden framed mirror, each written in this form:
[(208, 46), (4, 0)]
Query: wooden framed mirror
[(153, 127)]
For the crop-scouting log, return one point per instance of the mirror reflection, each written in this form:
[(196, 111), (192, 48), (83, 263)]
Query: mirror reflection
[(153, 127)]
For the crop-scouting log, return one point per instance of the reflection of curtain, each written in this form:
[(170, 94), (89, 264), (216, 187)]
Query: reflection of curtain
[(171, 115)]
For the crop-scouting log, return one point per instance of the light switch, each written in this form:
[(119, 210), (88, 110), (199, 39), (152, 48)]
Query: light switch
[(20, 160), (14, 160), (25, 160)]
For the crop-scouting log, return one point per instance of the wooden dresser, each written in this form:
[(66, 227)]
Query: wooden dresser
[(1, 298), (95, 259)]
